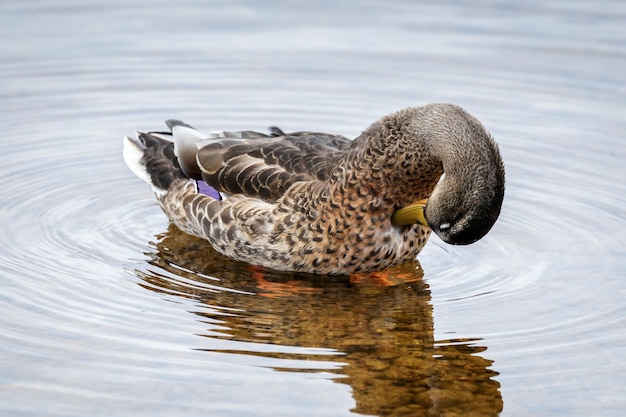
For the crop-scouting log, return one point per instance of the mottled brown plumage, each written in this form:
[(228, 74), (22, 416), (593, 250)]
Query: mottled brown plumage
[(322, 203)]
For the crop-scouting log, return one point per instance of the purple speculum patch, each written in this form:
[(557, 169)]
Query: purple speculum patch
[(204, 188)]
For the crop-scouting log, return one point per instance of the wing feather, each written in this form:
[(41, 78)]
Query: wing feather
[(262, 166)]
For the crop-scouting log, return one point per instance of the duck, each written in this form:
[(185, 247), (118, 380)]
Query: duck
[(322, 203)]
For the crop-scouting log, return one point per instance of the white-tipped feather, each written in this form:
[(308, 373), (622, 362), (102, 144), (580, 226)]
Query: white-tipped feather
[(188, 140), (133, 153), (185, 139)]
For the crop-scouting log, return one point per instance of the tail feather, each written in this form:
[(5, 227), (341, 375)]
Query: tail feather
[(185, 201), (133, 155), (151, 157)]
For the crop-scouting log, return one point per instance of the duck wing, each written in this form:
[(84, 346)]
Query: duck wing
[(257, 164)]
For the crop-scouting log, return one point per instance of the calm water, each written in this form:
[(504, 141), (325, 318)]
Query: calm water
[(105, 310)]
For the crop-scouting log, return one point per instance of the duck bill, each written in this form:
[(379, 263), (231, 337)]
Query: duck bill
[(411, 214)]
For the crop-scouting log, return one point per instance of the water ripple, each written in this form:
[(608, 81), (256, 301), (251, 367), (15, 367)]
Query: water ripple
[(98, 288)]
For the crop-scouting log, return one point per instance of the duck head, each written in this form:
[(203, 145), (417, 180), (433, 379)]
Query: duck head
[(467, 200)]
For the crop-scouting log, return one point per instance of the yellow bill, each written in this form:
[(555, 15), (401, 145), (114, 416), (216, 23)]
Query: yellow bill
[(411, 214)]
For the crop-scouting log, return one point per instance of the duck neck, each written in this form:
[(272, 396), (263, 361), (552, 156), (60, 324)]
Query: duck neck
[(398, 166)]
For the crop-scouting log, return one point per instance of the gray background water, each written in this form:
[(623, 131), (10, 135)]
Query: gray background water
[(101, 314)]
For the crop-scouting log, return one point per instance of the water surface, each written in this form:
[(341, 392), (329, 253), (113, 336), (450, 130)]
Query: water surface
[(105, 309)]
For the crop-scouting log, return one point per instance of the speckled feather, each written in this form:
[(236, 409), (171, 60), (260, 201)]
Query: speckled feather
[(304, 201)]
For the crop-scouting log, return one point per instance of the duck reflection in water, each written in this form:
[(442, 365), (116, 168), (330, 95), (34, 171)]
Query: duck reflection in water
[(382, 322)]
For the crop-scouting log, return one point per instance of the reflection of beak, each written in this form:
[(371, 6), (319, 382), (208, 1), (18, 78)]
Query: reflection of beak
[(411, 214)]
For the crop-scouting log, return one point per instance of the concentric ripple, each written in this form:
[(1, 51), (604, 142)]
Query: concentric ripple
[(108, 310)]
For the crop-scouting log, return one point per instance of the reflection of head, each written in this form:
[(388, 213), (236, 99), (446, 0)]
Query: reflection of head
[(382, 322)]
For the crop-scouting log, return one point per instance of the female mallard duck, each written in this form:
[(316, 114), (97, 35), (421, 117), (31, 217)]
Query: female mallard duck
[(322, 203)]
